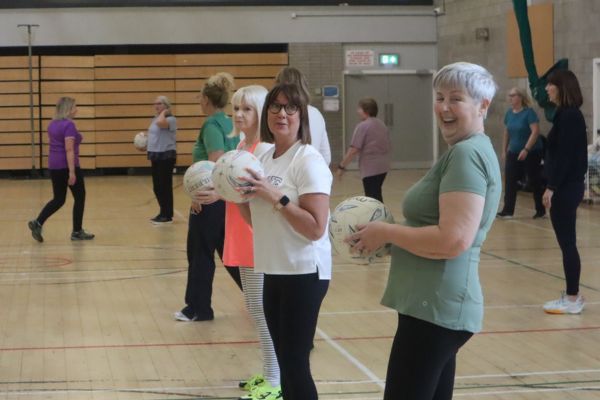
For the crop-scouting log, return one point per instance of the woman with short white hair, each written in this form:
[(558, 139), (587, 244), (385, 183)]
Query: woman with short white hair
[(434, 282), (162, 153)]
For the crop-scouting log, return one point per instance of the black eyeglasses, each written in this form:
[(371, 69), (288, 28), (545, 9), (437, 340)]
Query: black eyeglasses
[(290, 109)]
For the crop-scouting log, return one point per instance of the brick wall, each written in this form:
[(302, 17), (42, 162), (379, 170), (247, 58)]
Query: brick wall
[(576, 37), (322, 63)]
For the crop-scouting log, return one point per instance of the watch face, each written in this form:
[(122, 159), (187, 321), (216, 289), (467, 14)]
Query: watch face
[(284, 200)]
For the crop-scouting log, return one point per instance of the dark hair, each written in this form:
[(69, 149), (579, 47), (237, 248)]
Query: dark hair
[(218, 88), (569, 92), (369, 106), (294, 96), (295, 76)]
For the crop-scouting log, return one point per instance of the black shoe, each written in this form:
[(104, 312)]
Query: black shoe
[(82, 235), (539, 215), (504, 215), (36, 230), (159, 220)]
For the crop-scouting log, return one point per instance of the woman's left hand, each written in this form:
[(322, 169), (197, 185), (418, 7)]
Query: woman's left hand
[(547, 198), (206, 196), (369, 237)]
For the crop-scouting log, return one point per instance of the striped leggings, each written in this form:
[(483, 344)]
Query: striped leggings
[(252, 283)]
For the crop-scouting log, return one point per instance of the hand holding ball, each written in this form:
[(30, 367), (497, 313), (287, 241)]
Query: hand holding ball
[(344, 220), (229, 168)]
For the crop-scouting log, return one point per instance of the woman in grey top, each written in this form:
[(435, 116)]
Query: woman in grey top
[(162, 154)]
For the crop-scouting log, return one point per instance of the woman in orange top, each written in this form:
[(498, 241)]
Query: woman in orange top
[(238, 250)]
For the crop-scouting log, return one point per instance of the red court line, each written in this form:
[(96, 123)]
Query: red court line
[(244, 342)]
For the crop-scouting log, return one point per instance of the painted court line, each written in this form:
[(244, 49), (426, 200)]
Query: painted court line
[(532, 373), (522, 391), (353, 360)]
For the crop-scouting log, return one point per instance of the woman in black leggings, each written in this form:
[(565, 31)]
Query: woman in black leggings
[(433, 282), (63, 163), (566, 166)]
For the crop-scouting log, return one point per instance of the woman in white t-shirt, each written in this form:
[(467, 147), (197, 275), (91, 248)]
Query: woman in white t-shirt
[(316, 122), (289, 212)]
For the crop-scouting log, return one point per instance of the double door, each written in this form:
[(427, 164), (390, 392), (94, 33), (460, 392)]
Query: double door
[(405, 104)]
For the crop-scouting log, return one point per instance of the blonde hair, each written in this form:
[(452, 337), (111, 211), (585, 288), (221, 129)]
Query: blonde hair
[(522, 93), (64, 107), (166, 102), (217, 89), (254, 96)]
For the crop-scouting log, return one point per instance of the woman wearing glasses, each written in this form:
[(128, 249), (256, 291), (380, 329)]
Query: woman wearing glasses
[(162, 154), (290, 207), (522, 152)]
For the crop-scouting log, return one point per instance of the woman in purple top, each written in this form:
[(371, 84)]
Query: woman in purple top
[(371, 141), (63, 163)]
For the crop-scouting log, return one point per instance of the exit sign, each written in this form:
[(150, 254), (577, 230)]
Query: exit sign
[(389, 59)]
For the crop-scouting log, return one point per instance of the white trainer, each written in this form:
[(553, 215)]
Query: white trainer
[(564, 305)]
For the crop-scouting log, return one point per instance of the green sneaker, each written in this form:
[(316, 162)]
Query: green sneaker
[(263, 392), (254, 381), (267, 392)]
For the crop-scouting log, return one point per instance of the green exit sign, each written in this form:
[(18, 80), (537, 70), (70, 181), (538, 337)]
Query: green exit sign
[(389, 59)]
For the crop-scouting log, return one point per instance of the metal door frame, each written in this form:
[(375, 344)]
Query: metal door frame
[(596, 98), (415, 72)]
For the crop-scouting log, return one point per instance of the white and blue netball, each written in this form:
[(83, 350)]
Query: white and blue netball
[(140, 141), (229, 169), (344, 220), (198, 177)]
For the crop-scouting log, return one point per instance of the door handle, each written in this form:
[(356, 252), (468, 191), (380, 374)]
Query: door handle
[(386, 110), (391, 107)]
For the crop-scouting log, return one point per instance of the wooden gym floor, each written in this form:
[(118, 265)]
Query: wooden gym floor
[(92, 320)]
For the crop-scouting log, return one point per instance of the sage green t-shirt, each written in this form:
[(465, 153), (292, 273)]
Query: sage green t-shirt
[(446, 292), (214, 136)]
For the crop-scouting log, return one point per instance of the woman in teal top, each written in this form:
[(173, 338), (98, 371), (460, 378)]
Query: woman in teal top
[(434, 282), (206, 226), (522, 151)]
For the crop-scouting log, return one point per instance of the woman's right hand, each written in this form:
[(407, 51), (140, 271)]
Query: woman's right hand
[(72, 178), (196, 207)]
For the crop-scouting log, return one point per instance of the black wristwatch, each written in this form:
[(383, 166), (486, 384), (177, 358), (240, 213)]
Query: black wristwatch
[(283, 201)]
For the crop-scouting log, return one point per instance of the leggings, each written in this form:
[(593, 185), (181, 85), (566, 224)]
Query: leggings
[(291, 304), (206, 234), (563, 215), (252, 283), (60, 179), (514, 171), (162, 184), (422, 361), (372, 186)]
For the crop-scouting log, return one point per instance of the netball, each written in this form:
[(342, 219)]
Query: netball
[(140, 141), (229, 168), (347, 215), (198, 177)]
